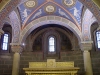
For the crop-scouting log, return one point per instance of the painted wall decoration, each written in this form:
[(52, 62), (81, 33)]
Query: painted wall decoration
[(62, 13), (88, 19), (16, 26), (30, 3), (50, 8), (24, 12), (12, 4), (37, 14), (69, 3), (33, 9), (76, 11)]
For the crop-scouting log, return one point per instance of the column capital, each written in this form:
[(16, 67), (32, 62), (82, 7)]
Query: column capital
[(86, 45), (16, 47), (1, 32)]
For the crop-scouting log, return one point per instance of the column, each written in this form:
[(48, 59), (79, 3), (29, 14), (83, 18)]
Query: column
[(17, 49), (1, 32), (86, 47)]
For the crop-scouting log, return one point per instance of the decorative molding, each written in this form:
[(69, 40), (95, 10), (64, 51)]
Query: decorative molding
[(49, 20), (51, 63)]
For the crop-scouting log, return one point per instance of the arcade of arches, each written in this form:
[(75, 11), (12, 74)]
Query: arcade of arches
[(37, 30)]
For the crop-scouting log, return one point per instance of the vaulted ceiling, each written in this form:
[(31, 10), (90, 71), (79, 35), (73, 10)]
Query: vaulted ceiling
[(30, 10), (77, 14), (4, 2), (63, 8)]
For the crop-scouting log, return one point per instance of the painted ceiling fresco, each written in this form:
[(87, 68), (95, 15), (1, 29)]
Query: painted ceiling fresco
[(33, 9)]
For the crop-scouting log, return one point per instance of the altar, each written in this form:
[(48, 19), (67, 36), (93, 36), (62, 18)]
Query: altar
[(51, 67)]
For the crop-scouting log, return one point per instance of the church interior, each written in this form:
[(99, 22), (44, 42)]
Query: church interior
[(49, 37)]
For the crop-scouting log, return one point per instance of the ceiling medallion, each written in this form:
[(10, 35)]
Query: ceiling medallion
[(30, 3), (69, 3), (49, 8)]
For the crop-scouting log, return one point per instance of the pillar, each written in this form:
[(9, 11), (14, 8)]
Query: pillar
[(86, 47), (17, 49)]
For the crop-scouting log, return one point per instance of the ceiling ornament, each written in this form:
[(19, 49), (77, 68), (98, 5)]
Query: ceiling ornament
[(30, 3), (69, 3), (50, 9)]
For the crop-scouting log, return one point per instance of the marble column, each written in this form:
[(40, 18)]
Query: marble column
[(86, 47), (1, 32), (17, 49)]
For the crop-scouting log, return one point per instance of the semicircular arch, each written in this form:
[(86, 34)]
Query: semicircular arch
[(49, 20)]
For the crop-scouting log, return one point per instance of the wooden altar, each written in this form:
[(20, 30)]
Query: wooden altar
[(51, 68)]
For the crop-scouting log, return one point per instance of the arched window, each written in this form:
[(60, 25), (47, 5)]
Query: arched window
[(5, 41), (98, 39), (51, 44)]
